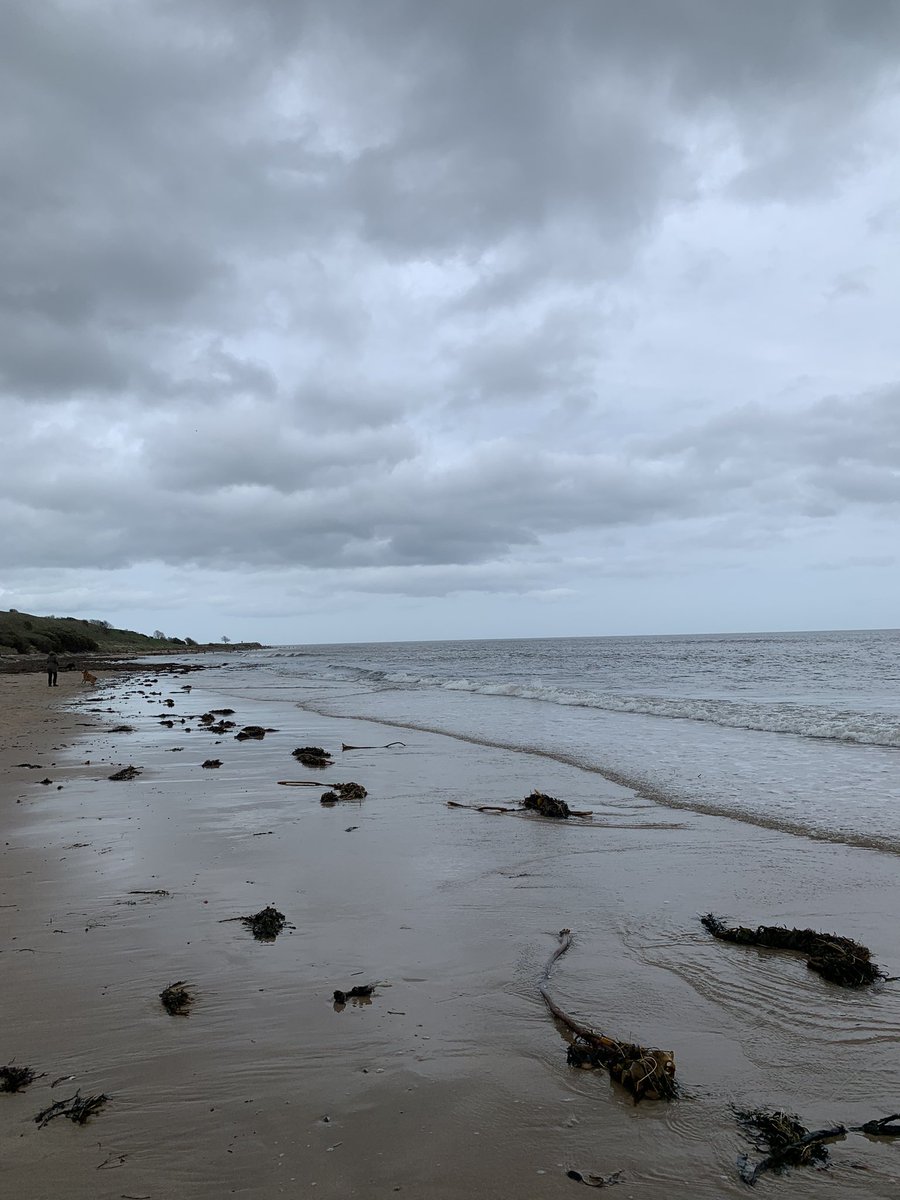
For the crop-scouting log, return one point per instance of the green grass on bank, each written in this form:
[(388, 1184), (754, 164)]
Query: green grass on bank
[(24, 633)]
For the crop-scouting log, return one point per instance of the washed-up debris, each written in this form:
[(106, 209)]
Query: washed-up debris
[(313, 756), (266, 924), (212, 762), (545, 806), (344, 791), (31, 766), (596, 1180), (123, 729), (838, 959), (15, 1079), (388, 746), (168, 724), (361, 992), (880, 1127), (46, 782), (222, 712), (251, 731), (126, 773), (645, 1072), (222, 727), (301, 783), (176, 999), (788, 1142), (148, 892), (77, 1108)]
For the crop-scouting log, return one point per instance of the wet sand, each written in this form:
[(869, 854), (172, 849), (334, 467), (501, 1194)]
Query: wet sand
[(452, 1082)]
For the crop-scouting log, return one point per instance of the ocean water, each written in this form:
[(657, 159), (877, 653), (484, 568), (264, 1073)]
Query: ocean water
[(796, 731)]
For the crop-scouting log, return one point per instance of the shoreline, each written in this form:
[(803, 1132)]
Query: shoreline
[(452, 1081)]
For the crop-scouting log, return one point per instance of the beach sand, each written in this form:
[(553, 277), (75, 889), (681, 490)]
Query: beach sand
[(452, 1081)]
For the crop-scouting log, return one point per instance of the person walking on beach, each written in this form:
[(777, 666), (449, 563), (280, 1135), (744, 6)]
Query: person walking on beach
[(52, 669)]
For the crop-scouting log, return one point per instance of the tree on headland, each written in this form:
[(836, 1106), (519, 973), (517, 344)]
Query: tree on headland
[(225, 638), (158, 633)]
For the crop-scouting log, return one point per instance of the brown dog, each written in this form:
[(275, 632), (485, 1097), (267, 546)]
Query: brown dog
[(87, 677)]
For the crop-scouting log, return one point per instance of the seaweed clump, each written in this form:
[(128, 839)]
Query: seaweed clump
[(837, 959), (77, 1108), (313, 756), (547, 806), (176, 999), (344, 791), (126, 773), (362, 991), (266, 924), (14, 1079), (210, 763), (789, 1144), (648, 1073), (256, 732)]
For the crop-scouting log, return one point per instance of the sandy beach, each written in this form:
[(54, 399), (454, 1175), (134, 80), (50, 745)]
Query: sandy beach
[(452, 1081)]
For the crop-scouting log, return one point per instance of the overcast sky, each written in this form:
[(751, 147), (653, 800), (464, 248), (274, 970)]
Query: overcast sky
[(338, 320)]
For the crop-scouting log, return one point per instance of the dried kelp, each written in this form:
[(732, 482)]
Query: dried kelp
[(211, 763), (646, 1072), (123, 729), (126, 773), (313, 756), (838, 959), (266, 924), (789, 1144), (77, 1108), (344, 791), (176, 999), (15, 1079)]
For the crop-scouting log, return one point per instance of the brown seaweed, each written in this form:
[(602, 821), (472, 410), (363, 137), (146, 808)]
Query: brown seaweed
[(547, 806), (126, 773), (210, 763), (313, 756), (266, 924), (788, 1143), (256, 732), (15, 1079), (646, 1072), (360, 991), (344, 791), (77, 1108), (837, 959), (176, 999), (387, 746)]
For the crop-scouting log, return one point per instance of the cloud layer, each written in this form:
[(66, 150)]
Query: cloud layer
[(421, 301)]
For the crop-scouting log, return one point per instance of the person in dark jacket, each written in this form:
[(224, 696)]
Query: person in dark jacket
[(52, 669)]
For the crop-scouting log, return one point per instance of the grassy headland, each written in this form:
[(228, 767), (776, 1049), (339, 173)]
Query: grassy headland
[(24, 634)]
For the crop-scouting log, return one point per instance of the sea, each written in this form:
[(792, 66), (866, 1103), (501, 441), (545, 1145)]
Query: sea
[(793, 731)]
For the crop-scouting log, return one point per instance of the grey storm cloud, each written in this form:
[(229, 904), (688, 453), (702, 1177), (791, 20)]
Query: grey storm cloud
[(365, 286)]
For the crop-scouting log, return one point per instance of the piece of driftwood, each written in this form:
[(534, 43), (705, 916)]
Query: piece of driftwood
[(15, 1079), (647, 1073), (313, 756), (789, 1143), (388, 746), (301, 783), (176, 999), (126, 773), (77, 1108), (837, 959), (344, 791)]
